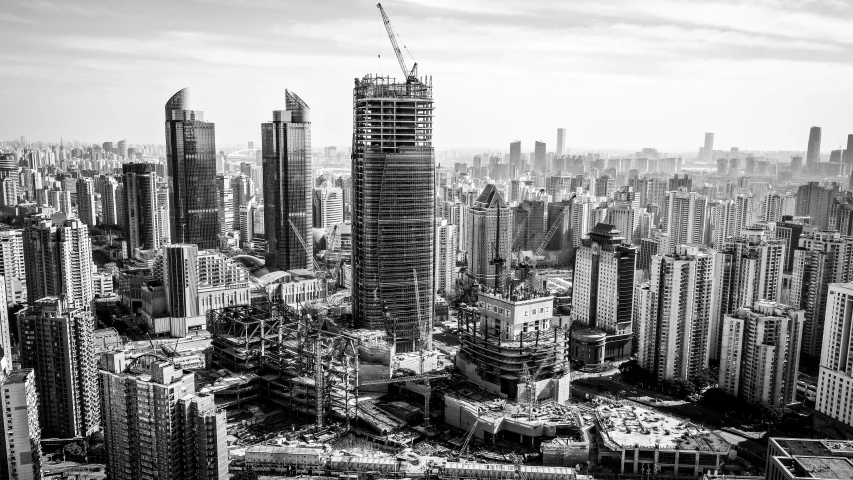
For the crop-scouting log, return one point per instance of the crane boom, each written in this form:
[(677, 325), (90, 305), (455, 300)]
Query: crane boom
[(554, 226), (410, 75)]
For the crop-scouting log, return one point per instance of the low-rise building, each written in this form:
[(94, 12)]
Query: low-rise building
[(802, 458)]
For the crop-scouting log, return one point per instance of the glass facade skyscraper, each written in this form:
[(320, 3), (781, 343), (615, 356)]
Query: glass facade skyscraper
[(191, 163), (393, 222), (288, 186)]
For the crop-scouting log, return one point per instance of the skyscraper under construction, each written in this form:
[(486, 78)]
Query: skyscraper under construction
[(393, 168)]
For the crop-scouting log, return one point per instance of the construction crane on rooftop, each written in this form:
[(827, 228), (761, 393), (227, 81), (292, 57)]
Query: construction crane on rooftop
[(321, 271), (531, 262), (411, 75)]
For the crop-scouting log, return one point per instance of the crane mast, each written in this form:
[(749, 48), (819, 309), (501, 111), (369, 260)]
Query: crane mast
[(411, 76)]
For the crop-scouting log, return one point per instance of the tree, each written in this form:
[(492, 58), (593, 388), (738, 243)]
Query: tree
[(245, 475), (73, 450)]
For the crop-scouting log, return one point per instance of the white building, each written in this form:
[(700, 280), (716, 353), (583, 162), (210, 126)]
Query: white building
[(835, 380), (684, 216), (12, 265), (21, 438), (761, 353), (445, 255), (328, 207), (671, 313)]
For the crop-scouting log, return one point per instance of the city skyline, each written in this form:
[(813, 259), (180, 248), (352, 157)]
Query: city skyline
[(616, 56)]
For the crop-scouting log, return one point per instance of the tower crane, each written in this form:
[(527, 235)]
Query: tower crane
[(550, 234), (411, 75), (322, 272)]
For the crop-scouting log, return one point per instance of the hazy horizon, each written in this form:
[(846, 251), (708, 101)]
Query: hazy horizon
[(616, 74)]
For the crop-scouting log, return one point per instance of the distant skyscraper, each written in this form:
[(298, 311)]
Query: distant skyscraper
[(540, 161), (224, 203), (761, 353), (58, 259), (604, 288), (86, 209), (191, 164), (813, 153), (328, 207), (142, 214), (847, 158), (393, 220), (515, 156), (708, 149), (122, 148), (835, 378), (489, 235), (60, 348), (21, 437), (671, 311), (155, 427), (561, 141), (288, 186), (822, 258), (242, 189), (684, 217)]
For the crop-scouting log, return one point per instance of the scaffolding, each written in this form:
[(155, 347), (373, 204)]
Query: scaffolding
[(291, 360)]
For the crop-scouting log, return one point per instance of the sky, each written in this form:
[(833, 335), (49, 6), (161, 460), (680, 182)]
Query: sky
[(617, 74)]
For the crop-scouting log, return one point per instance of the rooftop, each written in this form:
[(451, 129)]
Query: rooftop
[(829, 468), (629, 426), (18, 376)]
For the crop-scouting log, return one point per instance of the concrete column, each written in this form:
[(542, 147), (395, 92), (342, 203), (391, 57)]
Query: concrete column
[(676, 461), (622, 462), (696, 470), (636, 459)]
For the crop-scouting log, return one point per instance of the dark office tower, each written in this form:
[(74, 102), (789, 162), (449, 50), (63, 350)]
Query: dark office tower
[(561, 141), (813, 153), (540, 162), (515, 156), (108, 147), (528, 225), (847, 158), (142, 214), (708, 149), (393, 224), (288, 185), (191, 163)]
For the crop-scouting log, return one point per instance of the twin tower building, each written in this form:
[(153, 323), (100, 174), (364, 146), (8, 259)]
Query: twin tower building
[(393, 211)]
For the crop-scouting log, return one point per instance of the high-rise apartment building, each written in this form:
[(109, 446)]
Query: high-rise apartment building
[(58, 259), (821, 259), (813, 152), (835, 378), (393, 221), (12, 265), (489, 227), (561, 141), (760, 356), (142, 225), (156, 427), (747, 268), (684, 217), (815, 200), (288, 185), (604, 186), (112, 209), (86, 210), (604, 288), (57, 343), (191, 172), (60, 201), (446, 239), (672, 312), (776, 205), (328, 207), (721, 215), (21, 437)]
